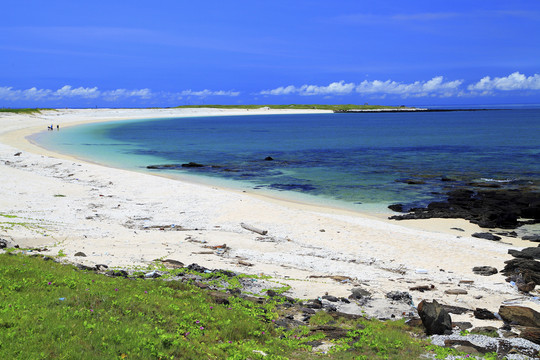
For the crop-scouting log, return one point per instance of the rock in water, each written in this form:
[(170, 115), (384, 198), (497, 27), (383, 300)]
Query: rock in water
[(520, 315), (435, 319)]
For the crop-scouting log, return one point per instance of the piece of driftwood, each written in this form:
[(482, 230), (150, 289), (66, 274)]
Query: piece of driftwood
[(254, 229)]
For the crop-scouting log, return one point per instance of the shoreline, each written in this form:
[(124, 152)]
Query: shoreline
[(114, 216)]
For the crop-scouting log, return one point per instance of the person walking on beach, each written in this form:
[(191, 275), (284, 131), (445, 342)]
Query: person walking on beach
[(57, 127)]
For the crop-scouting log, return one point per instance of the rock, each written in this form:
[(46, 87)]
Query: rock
[(359, 294), (314, 304), (462, 325), (268, 158), (422, 288), (458, 310), (117, 273), (456, 292), (484, 270), (17, 154), (467, 346), (531, 334), (527, 253), (396, 207), (160, 167), (400, 296), (526, 287), (80, 253), (220, 297), (152, 275), (172, 264), (487, 236), (192, 165), (533, 238), (330, 298), (3, 244), (493, 208), (435, 319), (528, 269), (484, 314), (520, 315), (485, 330), (101, 267), (84, 267), (198, 268)]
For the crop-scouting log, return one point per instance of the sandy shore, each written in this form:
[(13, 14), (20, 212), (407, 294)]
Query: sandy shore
[(115, 217)]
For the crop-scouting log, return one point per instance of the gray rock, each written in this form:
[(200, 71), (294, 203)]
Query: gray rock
[(484, 270), (80, 253), (527, 253), (3, 244), (330, 298), (400, 296), (359, 293), (487, 236), (435, 319), (533, 238)]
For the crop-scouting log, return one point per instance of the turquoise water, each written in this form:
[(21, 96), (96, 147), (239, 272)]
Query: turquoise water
[(359, 160)]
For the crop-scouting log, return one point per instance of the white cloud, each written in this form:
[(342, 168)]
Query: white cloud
[(514, 81), (335, 88), (206, 92), (69, 92), (435, 86)]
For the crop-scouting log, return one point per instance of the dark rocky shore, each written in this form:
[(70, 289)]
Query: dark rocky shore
[(488, 208)]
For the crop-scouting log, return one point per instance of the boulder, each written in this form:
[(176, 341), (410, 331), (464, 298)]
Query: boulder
[(520, 315), (268, 158), (435, 319), (80, 253), (484, 270), (3, 244), (172, 264), (484, 314)]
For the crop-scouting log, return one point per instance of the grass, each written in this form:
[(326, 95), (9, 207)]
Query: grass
[(295, 106), (54, 311), (22, 111)]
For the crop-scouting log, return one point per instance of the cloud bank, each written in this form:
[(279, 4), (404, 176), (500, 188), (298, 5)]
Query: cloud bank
[(68, 92), (436, 87)]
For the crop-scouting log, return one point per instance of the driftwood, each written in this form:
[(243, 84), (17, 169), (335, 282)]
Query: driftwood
[(254, 229)]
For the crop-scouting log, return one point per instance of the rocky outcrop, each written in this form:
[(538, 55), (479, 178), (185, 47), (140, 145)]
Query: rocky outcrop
[(495, 208)]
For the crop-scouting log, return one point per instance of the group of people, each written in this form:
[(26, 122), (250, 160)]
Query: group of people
[(52, 128)]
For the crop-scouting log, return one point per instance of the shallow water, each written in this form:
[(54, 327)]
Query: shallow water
[(360, 160)]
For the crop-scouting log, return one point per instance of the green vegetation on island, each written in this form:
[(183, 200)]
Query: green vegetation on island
[(50, 310)]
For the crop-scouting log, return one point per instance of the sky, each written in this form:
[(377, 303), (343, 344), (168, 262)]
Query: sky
[(164, 53)]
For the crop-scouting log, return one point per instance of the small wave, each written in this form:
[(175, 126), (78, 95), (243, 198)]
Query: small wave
[(498, 181)]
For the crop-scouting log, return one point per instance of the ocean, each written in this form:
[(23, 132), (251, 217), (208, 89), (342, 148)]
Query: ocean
[(363, 161)]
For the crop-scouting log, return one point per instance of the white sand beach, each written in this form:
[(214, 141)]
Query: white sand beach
[(125, 218)]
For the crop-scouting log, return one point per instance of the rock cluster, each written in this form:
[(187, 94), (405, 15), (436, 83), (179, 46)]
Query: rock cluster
[(494, 208)]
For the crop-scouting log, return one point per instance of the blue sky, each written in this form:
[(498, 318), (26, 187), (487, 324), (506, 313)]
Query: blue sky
[(165, 53)]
